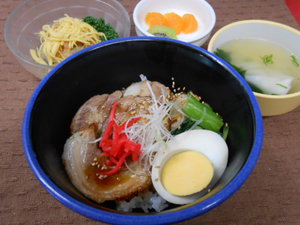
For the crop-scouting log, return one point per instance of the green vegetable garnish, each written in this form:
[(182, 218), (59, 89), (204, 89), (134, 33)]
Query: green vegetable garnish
[(223, 54), (295, 60), (199, 111), (267, 59), (281, 85), (256, 89), (239, 69), (184, 126), (100, 25), (226, 56)]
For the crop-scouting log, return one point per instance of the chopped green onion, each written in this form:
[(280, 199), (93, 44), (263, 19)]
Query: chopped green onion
[(199, 111), (281, 85), (267, 59), (295, 60)]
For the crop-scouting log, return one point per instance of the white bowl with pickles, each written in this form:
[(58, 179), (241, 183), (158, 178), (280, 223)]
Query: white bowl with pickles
[(190, 21)]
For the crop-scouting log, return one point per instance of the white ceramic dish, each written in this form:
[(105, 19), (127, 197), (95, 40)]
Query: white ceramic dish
[(203, 12), (277, 33)]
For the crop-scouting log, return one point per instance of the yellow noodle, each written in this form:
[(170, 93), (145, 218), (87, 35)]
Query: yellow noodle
[(66, 36)]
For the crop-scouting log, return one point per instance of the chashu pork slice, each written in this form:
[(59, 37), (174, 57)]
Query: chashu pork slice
[(94, 111), (141, 89), (83, 164)]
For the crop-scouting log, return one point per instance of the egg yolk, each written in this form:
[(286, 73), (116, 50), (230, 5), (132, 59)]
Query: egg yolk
[(187, 173)]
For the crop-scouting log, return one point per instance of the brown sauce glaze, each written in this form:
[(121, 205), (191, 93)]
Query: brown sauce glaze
[(93, 173)]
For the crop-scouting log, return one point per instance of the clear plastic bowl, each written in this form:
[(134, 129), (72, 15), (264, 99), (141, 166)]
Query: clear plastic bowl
[(29, 17)]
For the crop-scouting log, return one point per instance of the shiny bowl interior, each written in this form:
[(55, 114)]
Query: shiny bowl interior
[(277, 33), (116, 64), (23, 24)]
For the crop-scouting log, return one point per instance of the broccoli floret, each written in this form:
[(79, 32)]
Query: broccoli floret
[(100, 25)]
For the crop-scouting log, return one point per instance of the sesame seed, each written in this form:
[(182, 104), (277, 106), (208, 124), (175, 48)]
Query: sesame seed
[(102, 177), (103, 167)]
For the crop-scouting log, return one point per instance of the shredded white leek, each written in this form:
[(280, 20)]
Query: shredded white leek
[(144, 78), (92, 141), (152, 135)]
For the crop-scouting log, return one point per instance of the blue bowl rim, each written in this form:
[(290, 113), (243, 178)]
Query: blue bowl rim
[(163, 218)]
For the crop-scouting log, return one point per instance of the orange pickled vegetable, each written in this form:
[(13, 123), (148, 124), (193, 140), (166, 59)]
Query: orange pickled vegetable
[(190, 23), (186, 24), (155, 18), (175, 21)]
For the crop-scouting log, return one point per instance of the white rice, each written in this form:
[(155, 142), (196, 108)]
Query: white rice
[(146, 201)]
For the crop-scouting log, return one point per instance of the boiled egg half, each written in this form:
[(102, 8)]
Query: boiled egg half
[(189, 166)]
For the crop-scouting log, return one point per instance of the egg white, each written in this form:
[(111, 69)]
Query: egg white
[(209, 143)]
